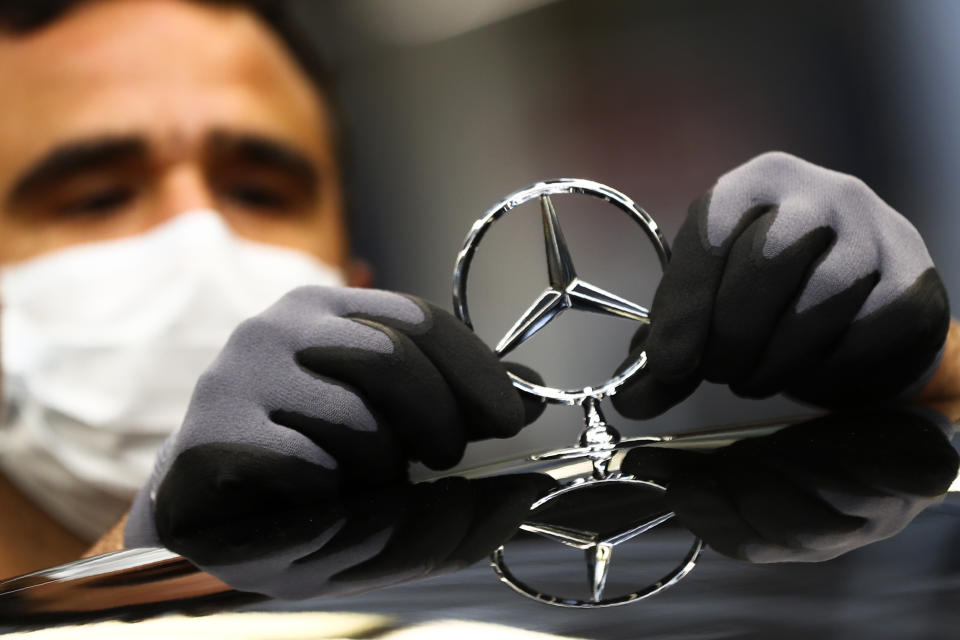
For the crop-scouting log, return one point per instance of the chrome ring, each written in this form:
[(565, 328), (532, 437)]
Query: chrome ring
[(555, 187)]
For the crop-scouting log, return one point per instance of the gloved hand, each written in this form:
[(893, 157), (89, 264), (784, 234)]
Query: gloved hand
[(811, 491), (368, 540), (790, 277), (328, 390)]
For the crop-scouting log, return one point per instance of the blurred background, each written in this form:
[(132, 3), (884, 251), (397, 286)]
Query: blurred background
[(453, 104)]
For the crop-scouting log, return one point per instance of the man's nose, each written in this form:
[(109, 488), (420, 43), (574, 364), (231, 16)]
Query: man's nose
[(183, 188)]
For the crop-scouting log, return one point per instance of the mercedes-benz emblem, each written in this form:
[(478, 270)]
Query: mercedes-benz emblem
[(598, 441), (566, 290)]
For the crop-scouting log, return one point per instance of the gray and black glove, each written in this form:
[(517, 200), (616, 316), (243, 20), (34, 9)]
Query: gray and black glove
[(812, 491), (367, 540), (328, 390), (790, 277)]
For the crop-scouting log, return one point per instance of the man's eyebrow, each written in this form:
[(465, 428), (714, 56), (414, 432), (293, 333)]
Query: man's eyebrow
[(75, 157), (262, 151)]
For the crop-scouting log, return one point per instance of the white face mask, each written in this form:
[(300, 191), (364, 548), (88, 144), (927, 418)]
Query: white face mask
[(102, 344)]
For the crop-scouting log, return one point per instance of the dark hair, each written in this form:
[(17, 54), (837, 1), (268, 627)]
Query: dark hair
[(20, 17)]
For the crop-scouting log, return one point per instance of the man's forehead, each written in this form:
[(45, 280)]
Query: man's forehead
[(165, 69), (139, 37)]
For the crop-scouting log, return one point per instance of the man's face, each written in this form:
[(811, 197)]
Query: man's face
[(121, 115)]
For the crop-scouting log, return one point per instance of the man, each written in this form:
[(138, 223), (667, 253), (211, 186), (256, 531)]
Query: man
[(117, 118), (169, 168), (147, 115)]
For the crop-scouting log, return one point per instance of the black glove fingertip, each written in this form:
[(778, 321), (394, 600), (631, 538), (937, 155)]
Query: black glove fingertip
[(646, 397), (639, 340), (488, 403), (533, 407), (213, 492), (658, 463)]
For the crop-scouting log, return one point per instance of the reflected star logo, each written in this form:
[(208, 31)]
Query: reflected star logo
[(597, 548)]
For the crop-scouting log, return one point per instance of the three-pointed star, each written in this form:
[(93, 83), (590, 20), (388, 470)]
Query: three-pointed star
[(597, 548), (566, 290)]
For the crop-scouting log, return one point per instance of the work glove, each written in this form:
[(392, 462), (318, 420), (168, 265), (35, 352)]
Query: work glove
[(329, 390), (788, 277), (366, 540), (812, 491)]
